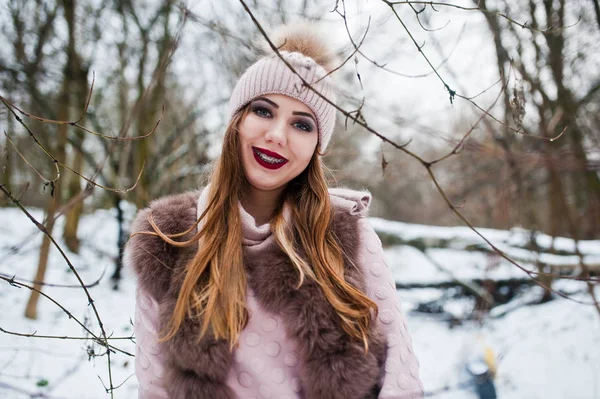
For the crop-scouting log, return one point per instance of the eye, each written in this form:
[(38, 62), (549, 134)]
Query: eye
[(307, 127), (261, 111)]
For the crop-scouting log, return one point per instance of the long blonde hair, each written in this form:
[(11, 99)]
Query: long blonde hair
[(214, 281)]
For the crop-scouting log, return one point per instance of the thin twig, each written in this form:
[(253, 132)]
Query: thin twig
[(46, 181), (63, 165), (77, 125), (518, 131), (19, 284), (530, 273), (63, 337), (498, 13), (356, 49), (309, 86), (75, 272), (359, 120), (419, 12), (452, 92), (456, 148), (93, 284), (383, 66)]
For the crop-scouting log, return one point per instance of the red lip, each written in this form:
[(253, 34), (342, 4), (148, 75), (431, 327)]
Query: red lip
[(271, 154)]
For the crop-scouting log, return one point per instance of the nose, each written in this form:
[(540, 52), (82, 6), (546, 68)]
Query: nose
[(276, 133)]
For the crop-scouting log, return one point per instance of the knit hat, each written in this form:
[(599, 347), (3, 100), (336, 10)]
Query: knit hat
[(308, 55)]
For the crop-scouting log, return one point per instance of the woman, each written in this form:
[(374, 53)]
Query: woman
[(265, 283)]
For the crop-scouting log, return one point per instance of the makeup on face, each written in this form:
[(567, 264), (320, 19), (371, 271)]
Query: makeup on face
[(268, 159), (278, 138), (267, 108)]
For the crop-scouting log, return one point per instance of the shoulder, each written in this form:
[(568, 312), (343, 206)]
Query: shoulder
[(359, 242), (351, 222), (170, 213), (350, 202), (350, 209), (149, 256)]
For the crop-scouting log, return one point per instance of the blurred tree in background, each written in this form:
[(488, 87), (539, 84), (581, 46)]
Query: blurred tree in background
[(168, 62), (121, 102), (547, 56), (49, 51)]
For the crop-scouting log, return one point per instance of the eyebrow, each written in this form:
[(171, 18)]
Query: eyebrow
[(274, 104), (304, 114)]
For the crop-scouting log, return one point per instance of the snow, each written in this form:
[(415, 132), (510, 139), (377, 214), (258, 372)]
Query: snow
[(544, 351), (64, 364), (464, 235), (412, 265)]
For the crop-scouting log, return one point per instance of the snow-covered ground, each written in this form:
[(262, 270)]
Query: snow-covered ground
[(459, 253), (544, 351)]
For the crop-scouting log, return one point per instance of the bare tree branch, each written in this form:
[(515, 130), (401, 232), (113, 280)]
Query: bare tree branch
[(427, 165), (433, 4)]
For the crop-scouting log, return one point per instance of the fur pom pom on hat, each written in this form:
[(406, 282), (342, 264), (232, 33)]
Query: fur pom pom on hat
[(306, 39), (305, 50)]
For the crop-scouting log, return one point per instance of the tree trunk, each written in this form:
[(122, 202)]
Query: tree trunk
[(78, 78), (60, 154), (122, 240), (589, 181), (506, 139), (73, 214), (151, 104), (6, 164), (597, 12), (141, 191), (53, 204), (121, 163)]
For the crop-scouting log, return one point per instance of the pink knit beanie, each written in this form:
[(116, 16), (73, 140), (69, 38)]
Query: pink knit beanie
[(307, 54)]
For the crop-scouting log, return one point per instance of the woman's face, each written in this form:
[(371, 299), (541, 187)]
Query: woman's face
[(278, 138)]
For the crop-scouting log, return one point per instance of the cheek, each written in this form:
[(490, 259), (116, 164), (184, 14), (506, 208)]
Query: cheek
[(250, 128), (306, 147), (243, 133)]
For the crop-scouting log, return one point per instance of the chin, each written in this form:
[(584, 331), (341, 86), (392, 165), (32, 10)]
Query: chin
[(261, 185)]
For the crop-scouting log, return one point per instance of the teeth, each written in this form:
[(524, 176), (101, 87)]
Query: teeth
[(268, 159)]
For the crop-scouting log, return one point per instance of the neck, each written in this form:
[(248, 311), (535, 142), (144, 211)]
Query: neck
[(261, 204)]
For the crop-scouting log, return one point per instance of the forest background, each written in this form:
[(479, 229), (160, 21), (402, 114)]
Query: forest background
[(482, 113)]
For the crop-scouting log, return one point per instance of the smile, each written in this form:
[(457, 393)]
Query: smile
[(268, 159)]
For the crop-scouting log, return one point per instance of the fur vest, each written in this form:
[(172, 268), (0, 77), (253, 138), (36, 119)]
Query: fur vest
[(333, 365)]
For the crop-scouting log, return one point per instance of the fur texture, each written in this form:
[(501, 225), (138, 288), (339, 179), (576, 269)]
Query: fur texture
[(335, 366), (306, 39), (195, 370), (152, 259)]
